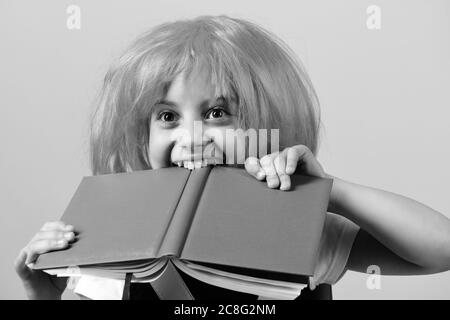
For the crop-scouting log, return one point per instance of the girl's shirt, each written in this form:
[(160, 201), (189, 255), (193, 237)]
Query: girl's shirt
[(335, 246)]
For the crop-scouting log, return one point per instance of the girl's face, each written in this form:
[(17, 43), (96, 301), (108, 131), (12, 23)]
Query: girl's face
[(188, 120)]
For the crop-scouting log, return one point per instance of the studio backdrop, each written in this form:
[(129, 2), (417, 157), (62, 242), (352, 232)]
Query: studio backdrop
[(381, 70)]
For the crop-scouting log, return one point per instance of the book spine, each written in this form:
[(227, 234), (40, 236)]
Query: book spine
[(178, 229)]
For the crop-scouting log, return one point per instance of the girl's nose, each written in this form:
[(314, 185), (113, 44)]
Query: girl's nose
[(195, 145), (193, 138)]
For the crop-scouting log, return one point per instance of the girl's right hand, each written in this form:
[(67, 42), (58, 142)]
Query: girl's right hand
[(38, 284)]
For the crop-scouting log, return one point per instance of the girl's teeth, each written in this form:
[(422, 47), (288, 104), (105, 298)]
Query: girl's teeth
[(196, 164)]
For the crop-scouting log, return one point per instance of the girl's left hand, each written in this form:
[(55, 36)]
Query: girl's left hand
[(277, 167)]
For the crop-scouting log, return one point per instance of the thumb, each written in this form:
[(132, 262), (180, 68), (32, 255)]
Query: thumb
[(21, 268)]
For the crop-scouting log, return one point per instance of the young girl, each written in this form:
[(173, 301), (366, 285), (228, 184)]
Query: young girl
[(227, 73)]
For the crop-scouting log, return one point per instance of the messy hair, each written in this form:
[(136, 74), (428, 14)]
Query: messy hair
[(244, 62)]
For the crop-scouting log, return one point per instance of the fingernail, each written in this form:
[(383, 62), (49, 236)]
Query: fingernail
[(272, 184), (68, 235), (260, 174), (68, 227), (61, 242)]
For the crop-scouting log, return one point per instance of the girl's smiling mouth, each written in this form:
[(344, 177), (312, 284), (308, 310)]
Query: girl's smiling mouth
[(197, 164), (197, 159)]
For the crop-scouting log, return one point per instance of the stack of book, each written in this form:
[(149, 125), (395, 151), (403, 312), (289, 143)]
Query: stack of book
[(217, 224)]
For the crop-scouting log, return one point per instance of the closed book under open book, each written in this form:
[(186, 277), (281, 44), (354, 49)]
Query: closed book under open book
[(218, 224)]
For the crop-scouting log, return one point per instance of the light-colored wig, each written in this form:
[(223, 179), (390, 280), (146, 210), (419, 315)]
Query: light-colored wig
[(244, 62)]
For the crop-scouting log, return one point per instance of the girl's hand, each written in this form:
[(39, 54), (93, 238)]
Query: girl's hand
[(277, 167), (38, 284)]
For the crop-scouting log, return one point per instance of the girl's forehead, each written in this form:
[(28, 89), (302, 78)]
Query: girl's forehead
[(197, 85)]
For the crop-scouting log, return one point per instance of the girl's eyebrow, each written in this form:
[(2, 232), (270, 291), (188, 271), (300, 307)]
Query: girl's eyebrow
[(167, 102), (174, 104)]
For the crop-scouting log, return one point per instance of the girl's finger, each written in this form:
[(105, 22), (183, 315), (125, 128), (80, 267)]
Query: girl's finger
[(56, 225), (292, 158), (269, 169), (253, 167), (302, 153), (54, 235), (280, 167), (36, 248)]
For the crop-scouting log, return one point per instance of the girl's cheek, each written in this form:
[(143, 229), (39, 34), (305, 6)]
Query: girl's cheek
[(159, 149)]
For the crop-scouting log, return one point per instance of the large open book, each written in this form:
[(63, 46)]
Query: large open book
[(217, 224)]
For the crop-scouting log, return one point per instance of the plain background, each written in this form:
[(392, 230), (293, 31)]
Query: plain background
[(384, 98)]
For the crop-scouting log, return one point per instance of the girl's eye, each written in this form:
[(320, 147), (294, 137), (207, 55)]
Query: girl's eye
[(167, 116), (216, 113)]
